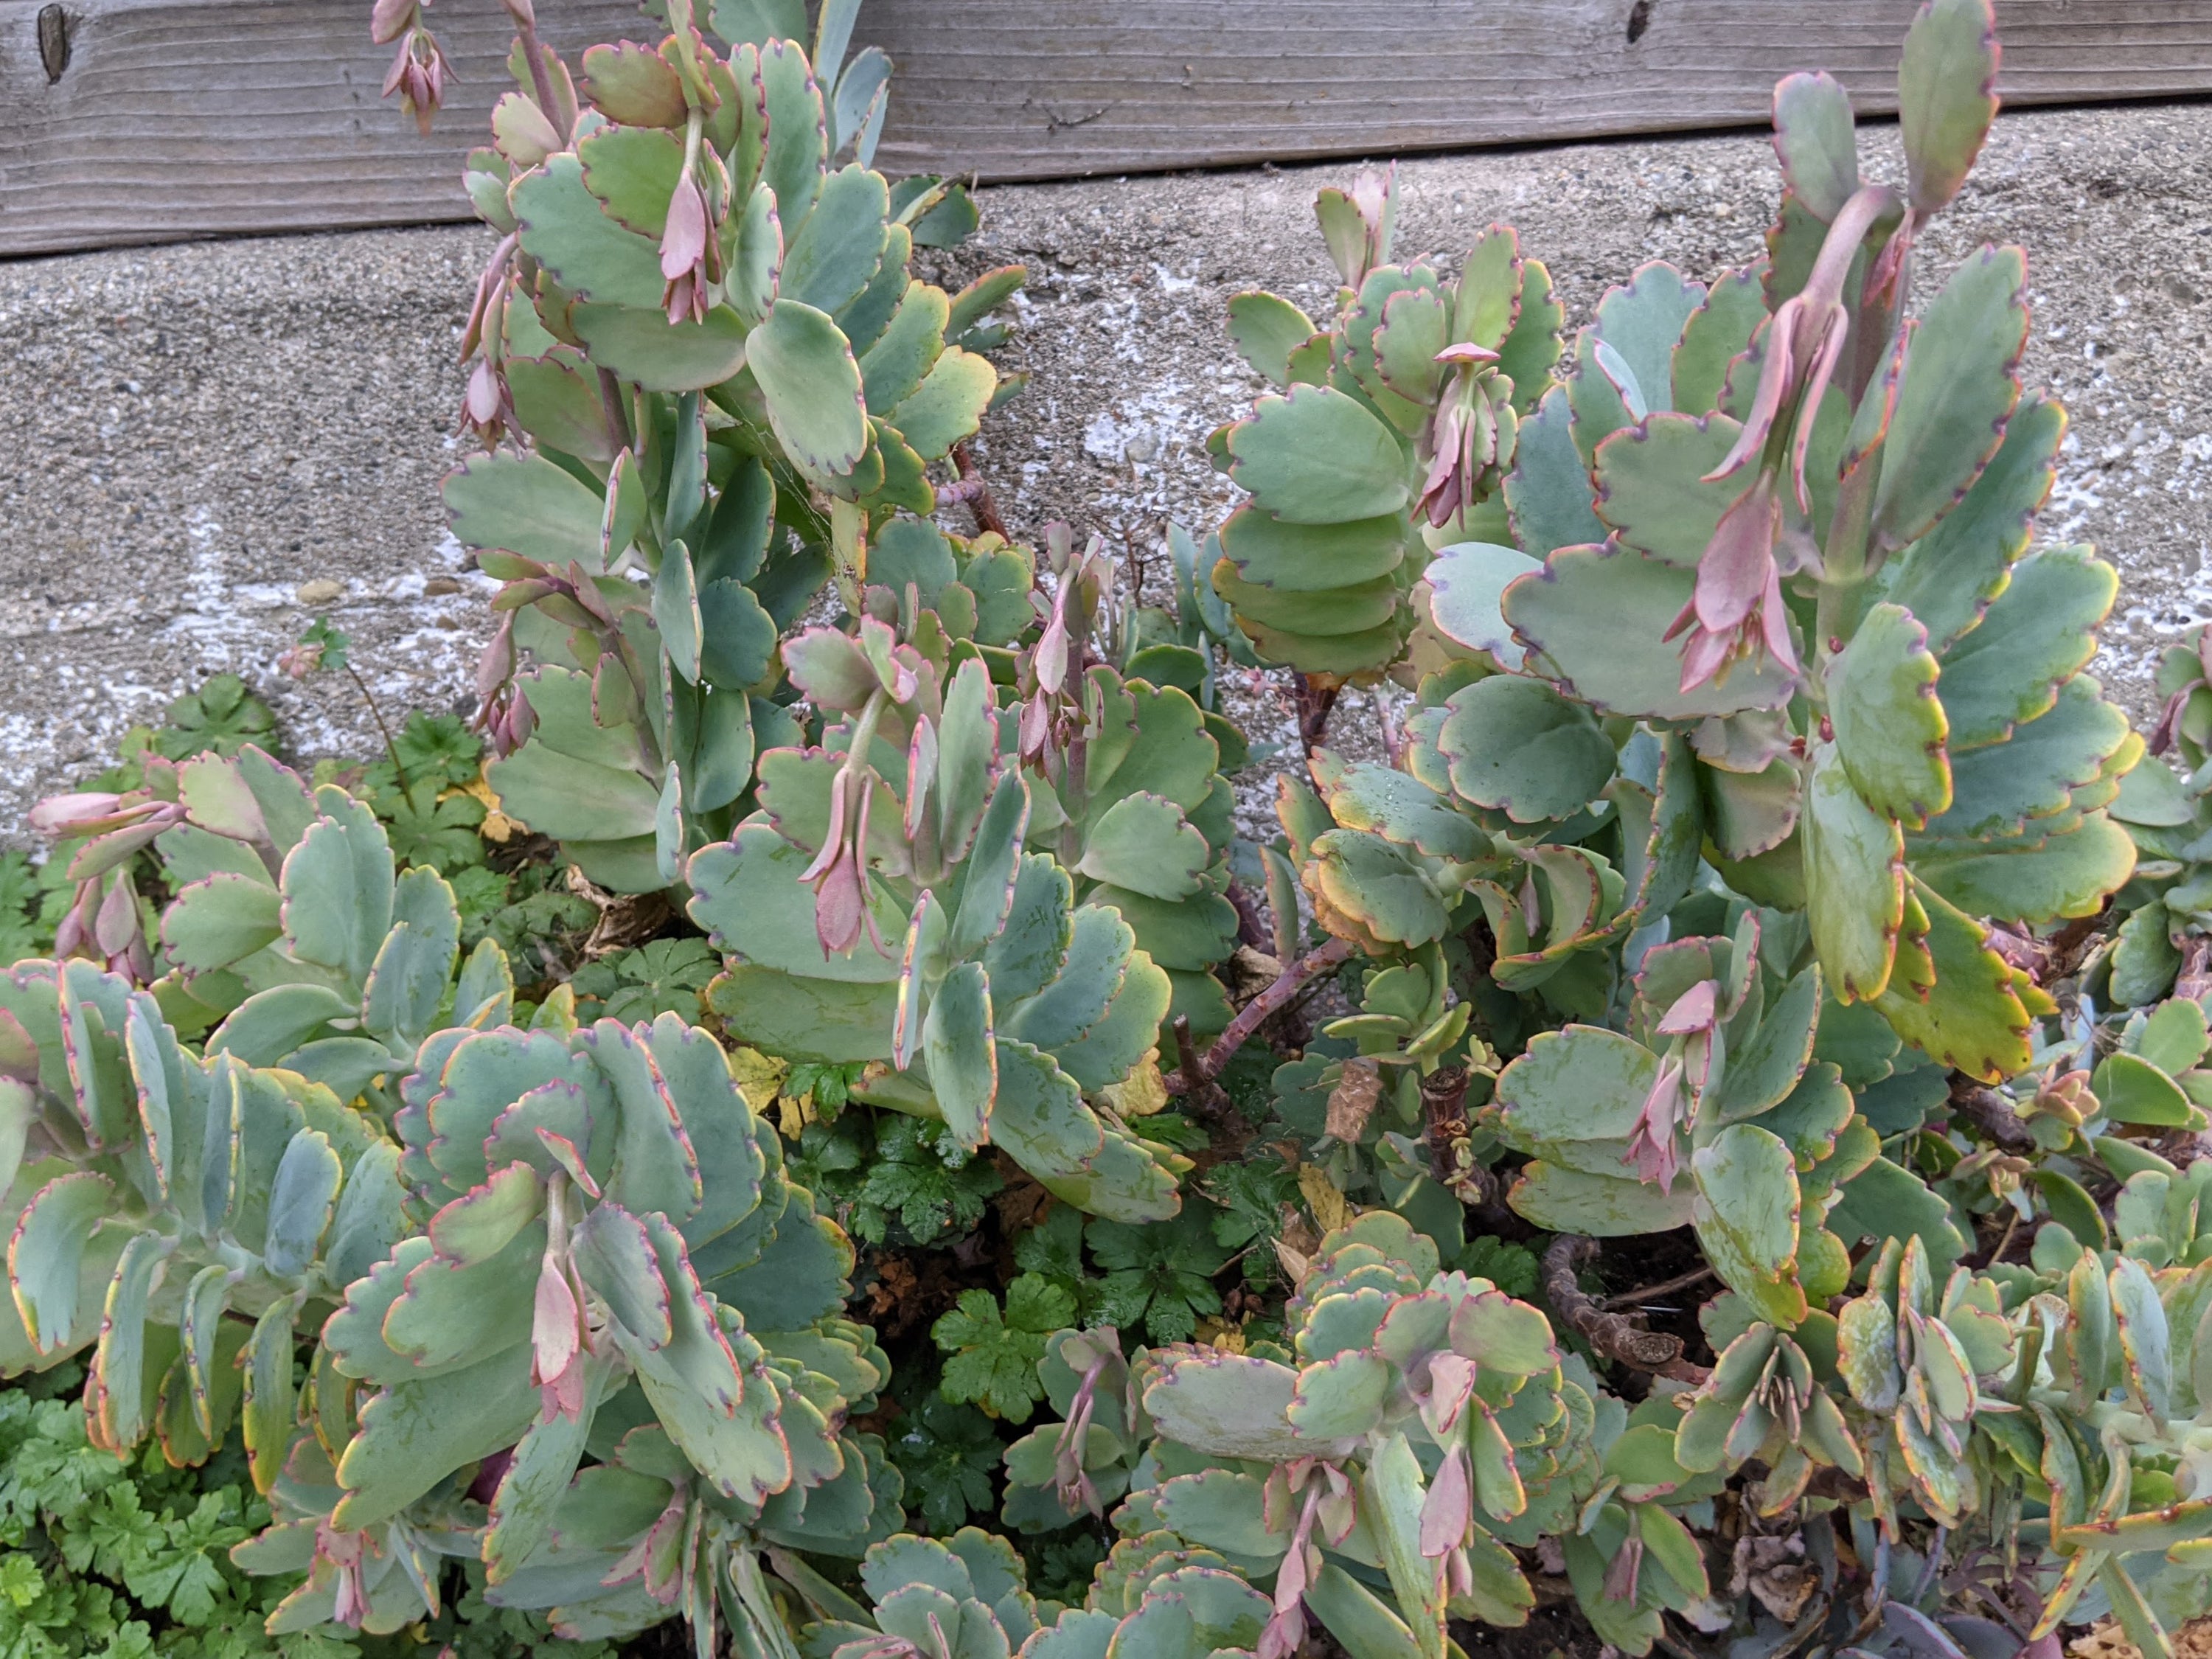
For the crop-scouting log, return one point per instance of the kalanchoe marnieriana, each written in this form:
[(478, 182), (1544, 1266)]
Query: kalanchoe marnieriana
[(928, 1599), (289, 931), (1082, 1464), (879, 909), (2110, 1425), (1126, 776), (1357, 1115), (172, 1216), (1912, 1357), (1926, 759), (702, 331), (337, 970), (419, 68), (1425, 1414), (2165, 945), (1124, 761), (1390, 434), (605, 1260), (966, 1595)]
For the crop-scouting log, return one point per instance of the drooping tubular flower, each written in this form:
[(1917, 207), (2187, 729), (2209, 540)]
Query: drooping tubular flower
[(841, 895), (488, 406), (684, 253), (687, 239), (1463, 434), (103, 919), (1736, 610), (344, 1552), (1324, 1496), (558, 1336), (1095, 1351), (1651, 1143), (418, 75)]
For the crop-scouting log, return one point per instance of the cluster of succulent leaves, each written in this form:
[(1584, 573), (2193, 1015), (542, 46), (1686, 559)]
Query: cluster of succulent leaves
[(121, 1558), (1756, 875)]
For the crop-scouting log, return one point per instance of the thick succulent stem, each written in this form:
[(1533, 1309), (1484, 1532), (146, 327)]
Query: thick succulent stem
[(1610, 1334), (540, 78), (1251, 928), (610, 395), (1204, 1094), (1254, 1014), (1444, 1117), (1315, 696), (1989, 1112), (974, 492)]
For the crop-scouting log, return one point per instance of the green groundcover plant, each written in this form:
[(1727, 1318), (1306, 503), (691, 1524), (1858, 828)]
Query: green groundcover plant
[(804, 1125)]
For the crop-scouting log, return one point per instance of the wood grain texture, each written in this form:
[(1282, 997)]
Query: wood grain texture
[(190, 118)]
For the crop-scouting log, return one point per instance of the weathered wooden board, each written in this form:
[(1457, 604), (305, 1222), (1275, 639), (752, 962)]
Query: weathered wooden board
[(187, 117)]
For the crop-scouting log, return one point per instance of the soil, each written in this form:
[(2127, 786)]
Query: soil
[(1555, 1632)]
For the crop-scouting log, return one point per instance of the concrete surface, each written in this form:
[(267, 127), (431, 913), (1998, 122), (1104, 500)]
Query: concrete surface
[(190, 435)]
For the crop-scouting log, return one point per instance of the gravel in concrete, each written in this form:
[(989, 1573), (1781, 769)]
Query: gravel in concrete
[(193, 434)]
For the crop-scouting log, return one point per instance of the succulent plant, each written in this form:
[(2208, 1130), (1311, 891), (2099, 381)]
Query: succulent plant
[(702, 330), (605, 1260), (966, 1594), (289, 930), (336, 968), (1127, 791), (177, 1217), (1086, 1462), (1006, 1003), (2113, 1433), (1610, 687), (1913, 1355), (2161, 946), (1751, 794), (1420, 1421), (1389, 434)]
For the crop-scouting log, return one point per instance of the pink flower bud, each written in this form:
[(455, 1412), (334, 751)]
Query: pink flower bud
[(1651, 1143), (1448, 1509), (390, 19), (1692, 1010), (683, 253), (69, 815), (1736, 610)]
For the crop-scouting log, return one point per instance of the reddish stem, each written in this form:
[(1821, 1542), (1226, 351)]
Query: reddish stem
[(1253, 1015), (977, 494)]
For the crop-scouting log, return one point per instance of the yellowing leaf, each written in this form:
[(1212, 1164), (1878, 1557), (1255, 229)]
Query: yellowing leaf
[(1323, 1196)]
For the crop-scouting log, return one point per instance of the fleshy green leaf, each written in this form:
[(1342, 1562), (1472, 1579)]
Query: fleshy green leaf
[(1889, 724)]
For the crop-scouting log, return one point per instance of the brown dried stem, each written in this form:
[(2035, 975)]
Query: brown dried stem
[(974, 492), (1645, 1292), (1612, 1335), (1315, 696), (1989, 1112), (1443, 1118), (1195, 1070)]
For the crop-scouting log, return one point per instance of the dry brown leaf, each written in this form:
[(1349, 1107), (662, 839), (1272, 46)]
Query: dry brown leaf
[(2107, 1640), (1352, 1102)]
